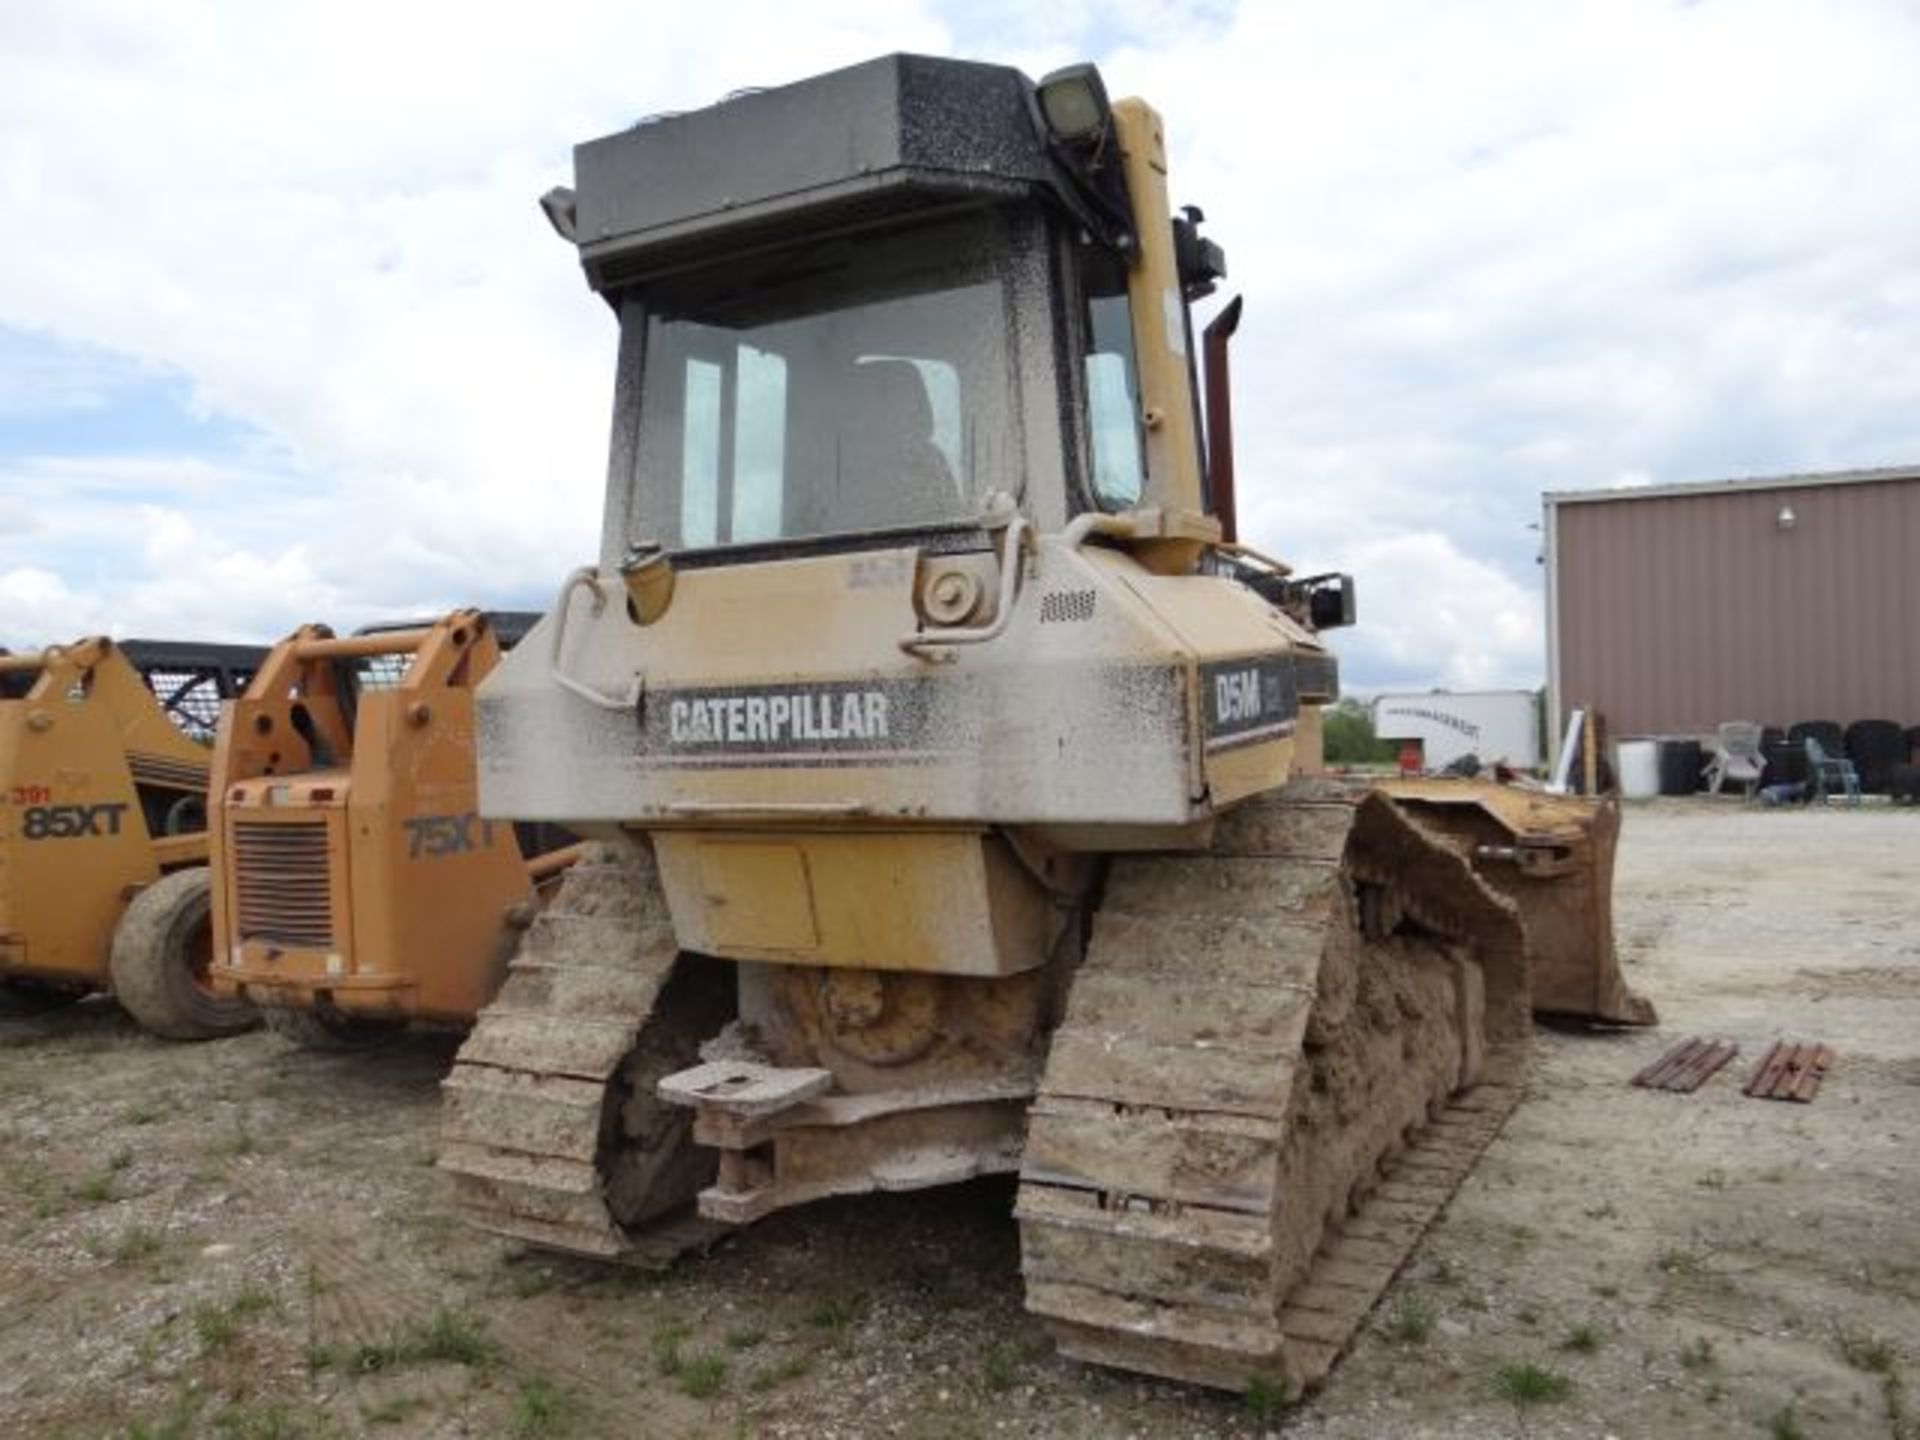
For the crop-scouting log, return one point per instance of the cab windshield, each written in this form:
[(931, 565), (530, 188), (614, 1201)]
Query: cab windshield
[(859, 383)]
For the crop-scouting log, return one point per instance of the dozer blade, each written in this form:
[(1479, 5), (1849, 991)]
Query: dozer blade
[(1552, 855), (1279, 1060)]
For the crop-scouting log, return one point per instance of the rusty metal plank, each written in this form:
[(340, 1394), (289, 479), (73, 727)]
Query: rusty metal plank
[(1687, 1066), (1790, 1070)]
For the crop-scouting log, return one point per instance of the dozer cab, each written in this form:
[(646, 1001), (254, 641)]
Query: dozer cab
[(357, 890), (103, 815), (950, 762)]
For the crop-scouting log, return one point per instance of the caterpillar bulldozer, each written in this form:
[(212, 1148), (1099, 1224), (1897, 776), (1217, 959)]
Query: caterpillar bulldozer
[(103, 815), (357, 890), (951, 766)]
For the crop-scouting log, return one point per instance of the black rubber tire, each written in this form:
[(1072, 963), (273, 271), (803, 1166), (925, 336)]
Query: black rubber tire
[(1875, 747), (1786, 763), (162, 950), (1832, 738), (324, 1028), (1680, 762)]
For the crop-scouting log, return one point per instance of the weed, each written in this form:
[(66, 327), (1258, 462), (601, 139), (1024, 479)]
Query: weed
[(745, 1337), (241, 1142), (133, 1244), (1678, 1262), (1527, 1316), (999, 1367), (95, 1189), (1525, 1383), (1697, 1354), (832, 1315), (1413, 1317), (1582, 1338), (701, 1376), (1267, 1399), (774, 1376), (176, 1424), (215, 1327), (666, 1346), (544, 1411), (1869, 1353), (396, 1411), (250, 1301), (1607, 1292), (1603, 1211), (266, 1422), (1444, 1272), (1715, 1179), (529, 1281), (1784, 1424), (120, 1160), (450, 1338), (140, 1115)]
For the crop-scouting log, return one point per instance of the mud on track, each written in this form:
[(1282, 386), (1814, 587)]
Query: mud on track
[(243, 1239)]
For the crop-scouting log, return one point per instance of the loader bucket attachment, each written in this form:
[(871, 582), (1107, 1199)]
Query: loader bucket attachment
[(1552, 855)]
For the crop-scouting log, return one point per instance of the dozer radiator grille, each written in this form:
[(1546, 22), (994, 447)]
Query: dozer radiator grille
[(282, 883)]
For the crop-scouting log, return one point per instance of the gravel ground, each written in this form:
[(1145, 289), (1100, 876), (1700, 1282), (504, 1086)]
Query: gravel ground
[(243, 1239)]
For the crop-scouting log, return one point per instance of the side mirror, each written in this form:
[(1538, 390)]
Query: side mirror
[(1331, 602)]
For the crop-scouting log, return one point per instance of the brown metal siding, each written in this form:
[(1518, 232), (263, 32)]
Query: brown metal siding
[(1677, 612)]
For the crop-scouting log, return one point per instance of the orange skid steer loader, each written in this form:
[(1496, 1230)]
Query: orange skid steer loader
[(103, 845), (358, 889)]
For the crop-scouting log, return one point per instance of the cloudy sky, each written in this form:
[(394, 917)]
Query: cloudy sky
[(283, 336)]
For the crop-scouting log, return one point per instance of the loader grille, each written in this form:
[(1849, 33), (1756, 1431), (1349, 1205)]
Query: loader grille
[(282, 883)]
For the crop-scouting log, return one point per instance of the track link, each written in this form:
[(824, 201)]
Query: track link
[(542, 1104), (1256, 1102)]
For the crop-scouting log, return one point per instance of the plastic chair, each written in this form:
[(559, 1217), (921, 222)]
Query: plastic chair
[(1736, 757), (1825, 770)]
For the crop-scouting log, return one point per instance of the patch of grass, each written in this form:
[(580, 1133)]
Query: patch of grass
[(832, 1315), (1443, 1271), (999, 1367), (120, 1160), (144, 1114), (134, 1244), (1697, 1354), (95, 1189), (178, 1423), (703, 1375), (545, 1411), (745, 1337), (1267, 1399), (275, 1421), (773, 1376), (1583, 1339), (531, 1280), (396, 1411), (666, 1340), (251, 1301), (1868, 1352), (1678, 1262), (449, 1338), (1715, 1179), (215, 1327), (1412, 1320), (1524, 1384), (241, 1142), (1784, 1424)]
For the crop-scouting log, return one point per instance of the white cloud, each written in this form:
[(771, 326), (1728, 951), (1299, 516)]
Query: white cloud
[(1488, 249)]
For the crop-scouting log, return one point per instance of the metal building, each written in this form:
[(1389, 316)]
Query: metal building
[(1671, 608)]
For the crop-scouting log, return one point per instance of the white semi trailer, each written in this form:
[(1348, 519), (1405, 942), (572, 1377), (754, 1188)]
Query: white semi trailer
[(1492, 724)]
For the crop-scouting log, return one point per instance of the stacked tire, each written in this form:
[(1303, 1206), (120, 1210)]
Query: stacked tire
[(1681, 762), (1875, 747)]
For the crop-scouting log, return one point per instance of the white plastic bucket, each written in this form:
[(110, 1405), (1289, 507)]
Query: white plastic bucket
[(1638, 762)]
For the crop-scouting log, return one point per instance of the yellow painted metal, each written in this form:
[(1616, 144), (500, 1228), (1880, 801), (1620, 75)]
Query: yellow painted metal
[(74, 840), (352, 867), (950, 901), (1159, 318)]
